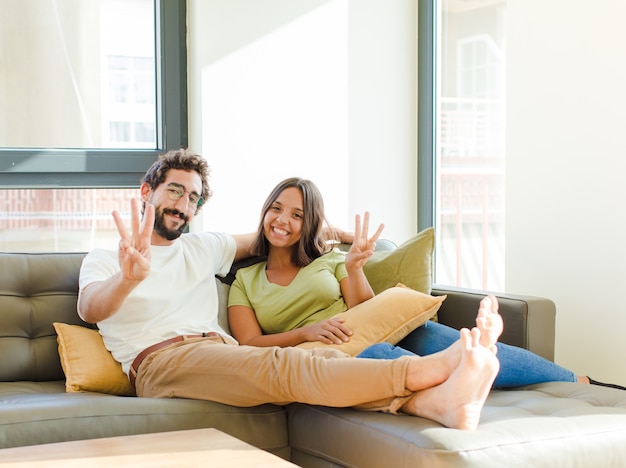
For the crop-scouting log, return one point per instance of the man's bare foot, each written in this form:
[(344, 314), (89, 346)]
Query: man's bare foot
[(433, 369), (489, 322), (458, 402)]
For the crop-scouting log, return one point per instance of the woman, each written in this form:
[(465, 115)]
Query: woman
[(266, 305), (293, 295)]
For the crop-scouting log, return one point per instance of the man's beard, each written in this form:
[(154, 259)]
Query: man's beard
[(162, 230)]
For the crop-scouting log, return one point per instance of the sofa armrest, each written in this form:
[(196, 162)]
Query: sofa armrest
[(529, 322)]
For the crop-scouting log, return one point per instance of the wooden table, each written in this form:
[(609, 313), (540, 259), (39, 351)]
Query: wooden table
[(198, 447)]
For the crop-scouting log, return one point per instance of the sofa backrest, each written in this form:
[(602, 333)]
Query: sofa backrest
[(38, 289), (35, 290)]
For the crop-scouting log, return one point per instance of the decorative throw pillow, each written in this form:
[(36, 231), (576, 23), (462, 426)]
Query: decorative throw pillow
[(87, 364), (410, 264), (387, 317)]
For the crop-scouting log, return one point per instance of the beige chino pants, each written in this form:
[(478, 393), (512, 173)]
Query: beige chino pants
[(210, 369)]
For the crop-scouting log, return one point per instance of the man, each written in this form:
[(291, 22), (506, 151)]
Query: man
[(155, 302)]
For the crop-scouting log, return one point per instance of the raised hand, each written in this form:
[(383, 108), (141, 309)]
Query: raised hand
[(134, 247), (362, 247)]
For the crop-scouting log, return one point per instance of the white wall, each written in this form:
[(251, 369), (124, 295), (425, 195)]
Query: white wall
[(565, 165), (566, 171), (319, 89), (383, 113)]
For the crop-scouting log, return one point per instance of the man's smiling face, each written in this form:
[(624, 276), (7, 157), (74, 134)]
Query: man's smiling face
[(172, 211)]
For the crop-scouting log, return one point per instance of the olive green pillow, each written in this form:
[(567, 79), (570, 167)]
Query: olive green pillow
[(409, 264)]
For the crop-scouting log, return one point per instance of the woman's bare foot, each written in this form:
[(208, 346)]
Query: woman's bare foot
[(489, 322), (458, 402)]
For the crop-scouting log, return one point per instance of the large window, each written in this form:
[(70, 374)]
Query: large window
[(73, 69), (90, 93), (462, 139)]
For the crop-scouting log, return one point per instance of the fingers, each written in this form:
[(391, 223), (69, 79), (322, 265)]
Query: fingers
[(377, 234), (357, 229), (366, 224), (120, 225), (141, 229), (362, 248), (135, 218), (334, 332), (361, 231), (147, 225)]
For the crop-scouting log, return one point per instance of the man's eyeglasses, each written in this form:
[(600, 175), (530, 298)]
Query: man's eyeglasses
[(176, 192)]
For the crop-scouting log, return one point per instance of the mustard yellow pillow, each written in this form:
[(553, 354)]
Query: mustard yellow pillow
[(410, 264), (87, 364), (387, 317)]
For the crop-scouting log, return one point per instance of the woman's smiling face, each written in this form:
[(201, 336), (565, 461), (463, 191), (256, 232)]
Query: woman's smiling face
[(282, 223)]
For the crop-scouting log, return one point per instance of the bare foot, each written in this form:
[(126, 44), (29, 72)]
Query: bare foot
[(433, 369), (489, 322), (458, 402)]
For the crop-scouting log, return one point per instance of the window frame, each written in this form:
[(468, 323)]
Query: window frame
[(426, 131), (102, 168)]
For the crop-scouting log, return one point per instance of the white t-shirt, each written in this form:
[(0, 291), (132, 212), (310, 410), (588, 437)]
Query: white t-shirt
[(179, 296)]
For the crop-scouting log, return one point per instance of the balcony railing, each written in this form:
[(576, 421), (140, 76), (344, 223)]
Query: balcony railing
[(470, 199)]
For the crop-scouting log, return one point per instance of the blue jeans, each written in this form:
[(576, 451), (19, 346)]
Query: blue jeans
[(518, 366)]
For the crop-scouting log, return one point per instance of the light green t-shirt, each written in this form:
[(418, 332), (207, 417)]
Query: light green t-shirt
[(312, 296)]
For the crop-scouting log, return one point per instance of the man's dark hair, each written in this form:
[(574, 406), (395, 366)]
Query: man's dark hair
[(181, 159)]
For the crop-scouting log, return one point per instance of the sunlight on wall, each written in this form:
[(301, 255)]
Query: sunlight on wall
[(259, 104)]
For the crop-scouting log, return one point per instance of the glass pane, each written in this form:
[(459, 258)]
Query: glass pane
[(71, 69), (61, 220), (470, 145)]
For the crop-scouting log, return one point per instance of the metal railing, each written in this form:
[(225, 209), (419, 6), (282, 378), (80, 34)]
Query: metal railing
[(470, 193)]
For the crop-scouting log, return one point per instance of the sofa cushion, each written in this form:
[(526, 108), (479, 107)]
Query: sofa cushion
[(387, 317), (42, 412), (544, 425), (87, 364), (411, 264), (36, 289)]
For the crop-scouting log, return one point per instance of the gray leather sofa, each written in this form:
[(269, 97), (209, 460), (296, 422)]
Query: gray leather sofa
[(557, 424)]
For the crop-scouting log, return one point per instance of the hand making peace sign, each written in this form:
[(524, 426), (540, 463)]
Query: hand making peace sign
[(134, 248), (362, 247)]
